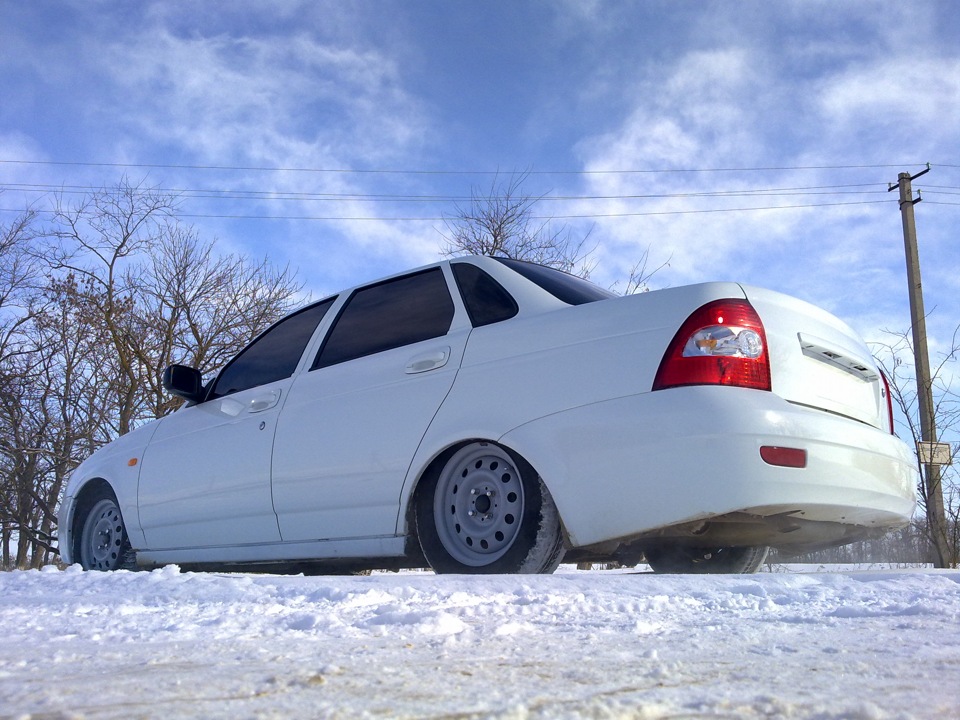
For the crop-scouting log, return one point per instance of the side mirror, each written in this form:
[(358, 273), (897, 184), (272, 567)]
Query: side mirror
[(183, 381)]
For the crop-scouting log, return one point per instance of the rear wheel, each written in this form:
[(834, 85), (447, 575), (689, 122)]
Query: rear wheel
[(103, 543), (487, 511), (732, 560)]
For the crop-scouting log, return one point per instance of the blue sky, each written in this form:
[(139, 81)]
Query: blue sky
[(684, 103)]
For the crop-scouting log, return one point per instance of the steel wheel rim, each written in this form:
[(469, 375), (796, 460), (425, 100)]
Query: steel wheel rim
[(478, 505), (102, 537)]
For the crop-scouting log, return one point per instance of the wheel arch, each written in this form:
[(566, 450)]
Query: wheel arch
[(436, 464), (82, 502), (430, 470)]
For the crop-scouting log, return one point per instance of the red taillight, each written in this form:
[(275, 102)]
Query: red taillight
[(722, 343), (886, 393)]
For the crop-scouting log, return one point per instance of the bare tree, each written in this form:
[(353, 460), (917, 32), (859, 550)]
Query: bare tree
[(952, 502), (199, 308), (96, 241), (50, 418), (18, 267), (91, 310), (500, 222), (159, 293), (19, 273), (640, 274), (941, 530)]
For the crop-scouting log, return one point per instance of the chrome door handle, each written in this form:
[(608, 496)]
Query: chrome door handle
[(264, 402), (430, 360)]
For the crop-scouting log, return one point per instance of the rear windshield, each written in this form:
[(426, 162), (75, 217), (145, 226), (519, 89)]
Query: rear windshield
[(563, 286)]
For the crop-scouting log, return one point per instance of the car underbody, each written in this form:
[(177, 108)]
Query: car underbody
[(788, 534)]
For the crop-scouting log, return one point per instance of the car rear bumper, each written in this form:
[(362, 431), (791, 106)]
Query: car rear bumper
[(632, 466)]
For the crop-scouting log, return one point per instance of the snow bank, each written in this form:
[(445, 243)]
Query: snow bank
[(856, 645)]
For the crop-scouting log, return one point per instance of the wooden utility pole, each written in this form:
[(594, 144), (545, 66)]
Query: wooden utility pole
[(932, 490)]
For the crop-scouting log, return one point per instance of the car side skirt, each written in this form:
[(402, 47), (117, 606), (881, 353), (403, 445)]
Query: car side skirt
[(354, 548)]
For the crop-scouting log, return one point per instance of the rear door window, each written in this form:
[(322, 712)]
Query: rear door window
[(486, 300), (388, 315)]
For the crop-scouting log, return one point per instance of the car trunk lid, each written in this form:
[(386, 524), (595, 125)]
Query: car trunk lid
[(819, 361)]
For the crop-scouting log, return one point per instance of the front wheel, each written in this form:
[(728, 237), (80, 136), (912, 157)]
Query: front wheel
[(103, 543), (732, 560), (487, 511)]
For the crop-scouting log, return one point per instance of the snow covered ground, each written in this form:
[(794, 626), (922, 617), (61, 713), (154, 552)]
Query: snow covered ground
[(801, 643)]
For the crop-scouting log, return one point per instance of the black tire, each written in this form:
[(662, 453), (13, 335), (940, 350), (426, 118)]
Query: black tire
[(487, 511), (729, 560), (102, 542)]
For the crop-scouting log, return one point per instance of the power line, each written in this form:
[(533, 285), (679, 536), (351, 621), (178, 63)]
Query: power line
[(374, 197), (713, 210), (535, 217), (267, 195), (411, 171)]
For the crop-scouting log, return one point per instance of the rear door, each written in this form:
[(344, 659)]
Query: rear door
[(353, 423)]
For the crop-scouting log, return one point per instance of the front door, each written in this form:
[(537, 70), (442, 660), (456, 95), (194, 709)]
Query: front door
[(205, 479)]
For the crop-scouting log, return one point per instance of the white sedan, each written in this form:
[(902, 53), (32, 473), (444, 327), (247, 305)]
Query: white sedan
[(487, 415)]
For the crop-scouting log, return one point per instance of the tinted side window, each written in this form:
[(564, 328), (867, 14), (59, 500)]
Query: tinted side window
[(274, 355), (563, 286), (389, 315), (486, 300)]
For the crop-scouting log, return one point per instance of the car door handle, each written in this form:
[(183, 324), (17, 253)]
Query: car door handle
[(264, 402), (430, 360)]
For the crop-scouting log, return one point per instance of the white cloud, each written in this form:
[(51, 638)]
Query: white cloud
[(789, 89), (265, 99), (690, 115), (232, 93), (654, 86), (919, 92)]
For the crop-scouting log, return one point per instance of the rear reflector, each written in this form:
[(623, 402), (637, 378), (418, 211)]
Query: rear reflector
[(783, 456)]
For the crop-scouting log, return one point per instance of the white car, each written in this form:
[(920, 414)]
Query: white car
[(487, 415)]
